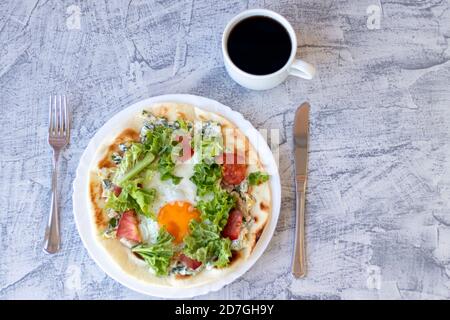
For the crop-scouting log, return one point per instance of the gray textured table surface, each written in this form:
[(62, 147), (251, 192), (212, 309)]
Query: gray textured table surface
[(378, 206)]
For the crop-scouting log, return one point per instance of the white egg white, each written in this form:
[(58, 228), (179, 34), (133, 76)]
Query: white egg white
[(149, 229)]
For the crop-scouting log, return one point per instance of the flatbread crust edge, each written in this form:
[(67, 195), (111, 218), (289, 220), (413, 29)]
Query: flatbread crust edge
[(129, 263)]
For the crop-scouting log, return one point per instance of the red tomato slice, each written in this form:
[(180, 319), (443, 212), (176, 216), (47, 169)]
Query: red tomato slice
[(128, 226), (234, 168), (233, 226), (117, 190), (190, 263)]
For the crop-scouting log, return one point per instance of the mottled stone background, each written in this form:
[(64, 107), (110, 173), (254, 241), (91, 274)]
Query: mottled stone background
[(378, 223)]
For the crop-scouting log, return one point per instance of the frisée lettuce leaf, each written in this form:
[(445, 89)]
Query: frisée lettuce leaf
[(133, 197), (158, 138), (206, 177), (138, 167), (166, 167), (257, 178), (216, 210), (205, 244), (159, 141), (157, 255), (128, 162)]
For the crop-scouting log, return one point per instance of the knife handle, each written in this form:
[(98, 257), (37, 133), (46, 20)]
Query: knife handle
[(299, 259)]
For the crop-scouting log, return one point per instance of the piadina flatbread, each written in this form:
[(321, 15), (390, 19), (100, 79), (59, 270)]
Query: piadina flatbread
[(179, 196)]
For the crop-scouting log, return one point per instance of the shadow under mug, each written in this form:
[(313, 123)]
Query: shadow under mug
[(293, 66)]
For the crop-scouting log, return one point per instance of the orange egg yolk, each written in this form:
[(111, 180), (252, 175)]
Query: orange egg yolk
[(175, 217)]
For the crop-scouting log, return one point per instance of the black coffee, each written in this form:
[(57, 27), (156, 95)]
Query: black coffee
[(259, 45)]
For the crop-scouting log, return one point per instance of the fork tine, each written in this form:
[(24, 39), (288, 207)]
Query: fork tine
[(50, 113), (63, 116), (55, 116), (66, 118), (60, 116)]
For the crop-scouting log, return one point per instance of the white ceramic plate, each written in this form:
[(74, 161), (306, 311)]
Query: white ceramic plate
[(82, 212)]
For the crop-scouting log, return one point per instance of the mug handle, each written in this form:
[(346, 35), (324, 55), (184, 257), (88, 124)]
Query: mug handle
[(302, 69)]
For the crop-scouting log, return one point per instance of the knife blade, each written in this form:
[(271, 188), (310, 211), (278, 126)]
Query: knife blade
[(301, 137)]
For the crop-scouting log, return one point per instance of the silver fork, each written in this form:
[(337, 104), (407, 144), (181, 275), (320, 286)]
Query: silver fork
[(58, 138)]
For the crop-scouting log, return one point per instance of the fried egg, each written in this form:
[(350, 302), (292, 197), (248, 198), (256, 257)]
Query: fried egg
[(175, 217), (169, 193)]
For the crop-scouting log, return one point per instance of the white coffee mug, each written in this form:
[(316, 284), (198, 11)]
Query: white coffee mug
[(295, 67)]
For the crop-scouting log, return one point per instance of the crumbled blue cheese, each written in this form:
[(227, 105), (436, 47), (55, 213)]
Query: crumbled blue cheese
[(211, 130), (198, 128), (147, 116), (111, 230), (181, 269), (243, 187), (107, 184), (236, 245), (240, 242), (161, 122), (116, 158), (123, 147), (111, 213), (110, 233), (150, 121), (148, 126)]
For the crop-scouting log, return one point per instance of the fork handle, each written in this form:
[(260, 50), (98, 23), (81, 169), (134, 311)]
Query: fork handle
[(299, 258), (52, 237)]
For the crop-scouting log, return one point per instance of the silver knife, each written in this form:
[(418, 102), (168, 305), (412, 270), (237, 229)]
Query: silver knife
[(301, 124)]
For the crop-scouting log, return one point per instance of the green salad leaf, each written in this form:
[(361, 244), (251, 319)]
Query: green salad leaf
[(182, 124), (158, 139), (257, 178), (209, 141), (206, 177), (138, 167), (144, 198), (166, 167), (133, 197), (205, 244), (131, 157), (157, 255), (216, 210), (211, 148)]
